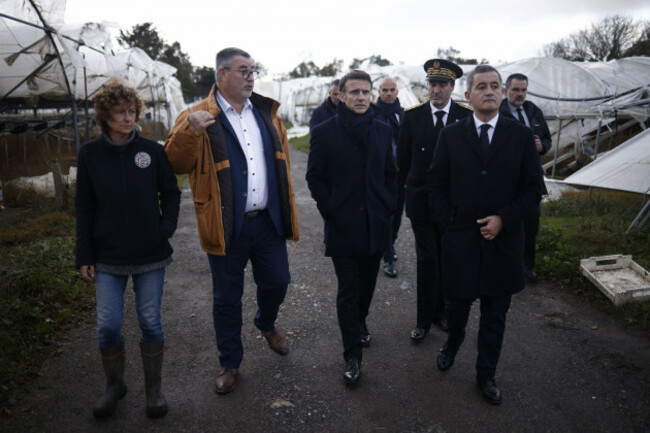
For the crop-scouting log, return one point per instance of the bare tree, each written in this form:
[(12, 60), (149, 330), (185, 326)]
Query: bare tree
[(612, 38), (642, 46)]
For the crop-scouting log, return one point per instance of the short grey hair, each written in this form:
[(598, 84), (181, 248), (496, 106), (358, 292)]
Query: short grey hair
[(225, 56), (481, 69)]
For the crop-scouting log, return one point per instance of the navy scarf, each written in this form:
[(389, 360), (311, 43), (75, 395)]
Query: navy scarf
[(389, 111), (357, 125)]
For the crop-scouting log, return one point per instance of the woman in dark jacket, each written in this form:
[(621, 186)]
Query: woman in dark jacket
[(127, 206)]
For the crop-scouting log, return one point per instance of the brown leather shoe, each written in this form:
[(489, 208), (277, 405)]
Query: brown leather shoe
[(276, 341), (226, 380)]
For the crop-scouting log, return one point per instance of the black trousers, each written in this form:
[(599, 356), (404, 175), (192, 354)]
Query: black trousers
[(492, 325), (389, 254), (531, 226), (430, 299), (357, 276)]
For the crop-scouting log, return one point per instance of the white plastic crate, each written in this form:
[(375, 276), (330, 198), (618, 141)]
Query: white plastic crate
[(619, 277)]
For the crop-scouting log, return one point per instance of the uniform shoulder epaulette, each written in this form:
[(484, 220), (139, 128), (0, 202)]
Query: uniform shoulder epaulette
[(468, 107), (415, 106)]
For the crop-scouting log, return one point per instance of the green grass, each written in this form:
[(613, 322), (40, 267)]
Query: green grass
[(577, 227), (41, 296), (300, 143)]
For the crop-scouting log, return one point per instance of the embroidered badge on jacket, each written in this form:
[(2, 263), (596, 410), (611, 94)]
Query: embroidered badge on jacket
[(142, 159)]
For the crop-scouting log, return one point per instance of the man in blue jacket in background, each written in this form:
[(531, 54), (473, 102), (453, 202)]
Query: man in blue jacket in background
[(328, 108)]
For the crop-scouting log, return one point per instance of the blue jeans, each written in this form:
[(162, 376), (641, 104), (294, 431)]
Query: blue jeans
[(109, 292)]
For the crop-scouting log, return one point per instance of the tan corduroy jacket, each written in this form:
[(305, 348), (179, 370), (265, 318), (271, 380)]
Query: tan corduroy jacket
[(190, 151)]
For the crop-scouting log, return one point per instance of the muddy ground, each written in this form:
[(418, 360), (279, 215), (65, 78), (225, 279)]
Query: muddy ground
[(565, 365)]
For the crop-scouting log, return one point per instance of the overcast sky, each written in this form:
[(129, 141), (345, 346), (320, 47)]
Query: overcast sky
[(280, 34)]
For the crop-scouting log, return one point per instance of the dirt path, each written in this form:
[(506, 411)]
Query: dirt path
[(565, 366)]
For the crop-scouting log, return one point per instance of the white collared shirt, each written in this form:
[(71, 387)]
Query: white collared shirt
[(250, 139), (492, 122), (446, 109), (513, 110)]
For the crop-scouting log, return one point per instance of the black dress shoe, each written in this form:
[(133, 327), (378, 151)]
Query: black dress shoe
[(365, 335), (442, 324), (352, 371), (489, 389), (389, 270), (531, 276), (445, 358), (418, 334)]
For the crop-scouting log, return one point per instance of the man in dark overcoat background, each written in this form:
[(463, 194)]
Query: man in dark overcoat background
[(391, 111), (416, 142), (483, 184), (351, 175), (328, 108), (515, 106)]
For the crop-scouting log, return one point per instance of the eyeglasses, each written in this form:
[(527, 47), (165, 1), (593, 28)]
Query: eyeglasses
[(245, 73)]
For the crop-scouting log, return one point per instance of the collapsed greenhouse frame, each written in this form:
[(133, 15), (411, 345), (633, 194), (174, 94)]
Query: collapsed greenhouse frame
[(50, 70)]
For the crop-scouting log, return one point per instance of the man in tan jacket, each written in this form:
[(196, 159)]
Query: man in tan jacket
[(234, 147)]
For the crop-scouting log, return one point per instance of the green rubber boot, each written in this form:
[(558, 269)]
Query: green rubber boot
[(113, 362), (152, 359)]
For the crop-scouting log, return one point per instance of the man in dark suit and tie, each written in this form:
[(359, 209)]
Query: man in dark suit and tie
[(485, 178), (416, 142), (517, 107)]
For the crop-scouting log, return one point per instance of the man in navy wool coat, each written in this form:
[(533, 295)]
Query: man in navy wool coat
[(351, 175)]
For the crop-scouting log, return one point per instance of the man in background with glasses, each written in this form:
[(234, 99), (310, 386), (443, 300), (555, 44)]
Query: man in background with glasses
[(234, 147)]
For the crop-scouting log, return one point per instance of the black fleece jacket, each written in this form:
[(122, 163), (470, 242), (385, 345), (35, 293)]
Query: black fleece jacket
[(126, 204)]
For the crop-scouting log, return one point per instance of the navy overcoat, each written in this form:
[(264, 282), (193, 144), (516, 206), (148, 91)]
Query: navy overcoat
[(466, 185), (355, 189)]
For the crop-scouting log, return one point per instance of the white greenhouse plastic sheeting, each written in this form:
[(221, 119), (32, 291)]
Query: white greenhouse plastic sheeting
[(35, 63), (588, 92), (626, 168)]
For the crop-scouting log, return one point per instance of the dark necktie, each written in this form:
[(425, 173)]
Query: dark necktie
[(520, 116), (484, 138), (439, 124)]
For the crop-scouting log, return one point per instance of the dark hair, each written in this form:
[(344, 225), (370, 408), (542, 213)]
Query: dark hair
[(516, 76), (113, 93), (480, 69), (335, 83), (355, 74)]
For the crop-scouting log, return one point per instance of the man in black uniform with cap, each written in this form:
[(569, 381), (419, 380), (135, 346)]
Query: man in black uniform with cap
[(417, 140)]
